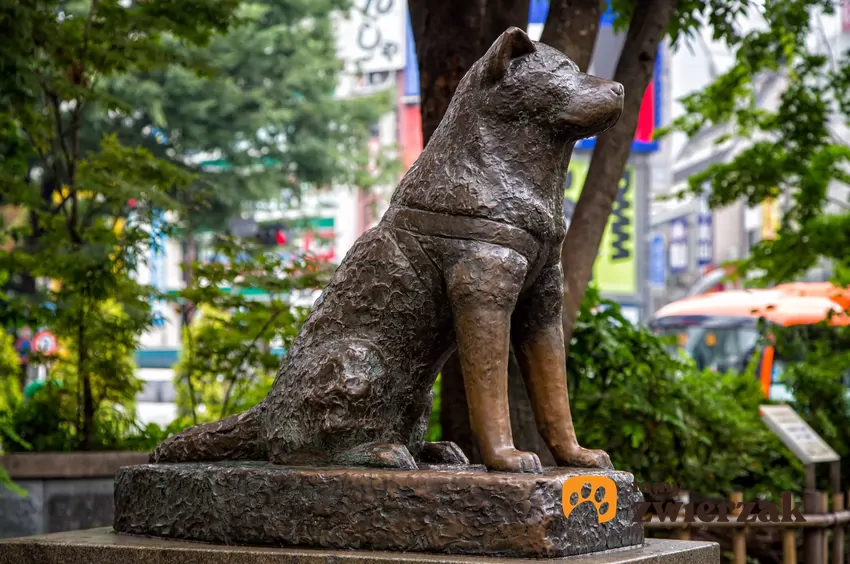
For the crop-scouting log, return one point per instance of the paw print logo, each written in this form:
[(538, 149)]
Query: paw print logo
[(601, 491)]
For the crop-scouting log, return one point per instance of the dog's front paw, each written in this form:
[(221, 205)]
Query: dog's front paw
[(579, 457), (513, 460)]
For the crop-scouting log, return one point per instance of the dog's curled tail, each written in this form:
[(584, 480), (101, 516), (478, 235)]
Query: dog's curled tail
[(233, 438)]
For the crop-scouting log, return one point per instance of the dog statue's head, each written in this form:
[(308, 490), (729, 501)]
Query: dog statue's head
[(522, 80)]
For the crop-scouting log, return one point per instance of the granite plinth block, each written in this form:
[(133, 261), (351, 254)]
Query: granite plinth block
[(103, 546), (449, 510)]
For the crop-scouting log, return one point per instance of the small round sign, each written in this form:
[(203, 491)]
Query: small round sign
[(45, 343)]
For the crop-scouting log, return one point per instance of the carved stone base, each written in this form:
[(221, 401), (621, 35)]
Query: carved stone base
[(460, 510)]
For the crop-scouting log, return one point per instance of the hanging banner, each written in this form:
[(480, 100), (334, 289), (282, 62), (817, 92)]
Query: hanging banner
[(769, 218), (845, 16), (615, 269), (372, 38)]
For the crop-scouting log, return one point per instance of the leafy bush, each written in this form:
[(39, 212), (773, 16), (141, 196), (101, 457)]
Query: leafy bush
[(231, 350), (434, 432), (10, 390), (817, 376), (46, 422), (662, 419), (10, 395)]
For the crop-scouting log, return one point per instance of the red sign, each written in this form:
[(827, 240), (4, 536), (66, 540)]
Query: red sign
[(45, 343), (845, 16), (646, 117), (411, 134)]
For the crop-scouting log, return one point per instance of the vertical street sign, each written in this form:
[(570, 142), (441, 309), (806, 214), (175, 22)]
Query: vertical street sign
[(657, 261), (678, 251), (705, 237)]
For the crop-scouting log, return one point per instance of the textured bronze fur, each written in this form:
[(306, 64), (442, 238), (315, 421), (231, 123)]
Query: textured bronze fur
[(467, 256)]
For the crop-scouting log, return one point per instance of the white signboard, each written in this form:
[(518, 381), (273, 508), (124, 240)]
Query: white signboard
[(372, 39), (796, 434)]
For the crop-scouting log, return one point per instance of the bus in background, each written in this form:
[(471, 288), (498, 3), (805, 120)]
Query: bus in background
[(721, 330)]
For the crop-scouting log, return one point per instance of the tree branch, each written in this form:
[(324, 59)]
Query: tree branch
[(192, 399), (60, 131), (272, 318), (634, 71), (571, 28), (445, 49), (80, 80)]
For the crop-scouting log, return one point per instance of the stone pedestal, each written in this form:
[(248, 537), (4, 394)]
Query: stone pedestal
[(457, 510), (65, 491), (103, 546)]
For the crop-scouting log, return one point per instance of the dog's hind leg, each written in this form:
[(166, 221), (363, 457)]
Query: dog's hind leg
[(340, 410)]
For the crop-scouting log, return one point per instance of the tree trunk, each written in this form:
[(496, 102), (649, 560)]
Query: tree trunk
[(448, 42), (190, 252), (447, 36), (87, 431), (634, 71), (88, 414), (571, 28), (450, 36)]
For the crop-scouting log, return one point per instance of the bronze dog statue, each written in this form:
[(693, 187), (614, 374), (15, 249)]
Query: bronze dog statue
[(466, 257)]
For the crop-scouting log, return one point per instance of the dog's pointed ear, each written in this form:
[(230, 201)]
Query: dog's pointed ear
[(513, 43)]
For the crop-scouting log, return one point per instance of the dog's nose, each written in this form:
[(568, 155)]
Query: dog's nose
[(617, 89)]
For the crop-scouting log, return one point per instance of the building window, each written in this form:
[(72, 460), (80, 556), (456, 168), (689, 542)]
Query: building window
[(753, 238), (158, 392)]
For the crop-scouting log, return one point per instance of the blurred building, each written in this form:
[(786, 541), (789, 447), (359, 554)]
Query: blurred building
[(693, 242)]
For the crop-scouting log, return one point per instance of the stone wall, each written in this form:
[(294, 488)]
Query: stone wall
[(66, 491)]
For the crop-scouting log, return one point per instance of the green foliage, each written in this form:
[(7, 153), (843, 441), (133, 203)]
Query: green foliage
[(435, 431), (84, 92), (228, 361), (71, 265), (795, 157), (46, 422), (691, 17), (9, 435), (797, 160), (9, 372), (817, 374), (663, 420), (265, 112)]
